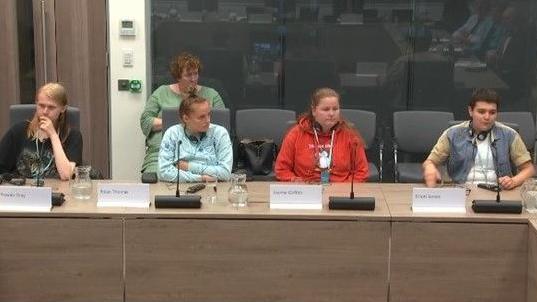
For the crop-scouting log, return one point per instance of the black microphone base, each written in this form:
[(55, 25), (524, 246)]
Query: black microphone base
[(346, 203), (492, 206), (183, 201)]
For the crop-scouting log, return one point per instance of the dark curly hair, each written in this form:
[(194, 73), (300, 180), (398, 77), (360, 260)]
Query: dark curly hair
[(484, 95)]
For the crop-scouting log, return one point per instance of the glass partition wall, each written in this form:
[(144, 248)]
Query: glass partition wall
[(382, 56)]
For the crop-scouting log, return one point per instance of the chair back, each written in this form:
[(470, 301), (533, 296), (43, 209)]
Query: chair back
[(526, 125), (364, 121), (418, 131), (170, 117), (366, 124), (263, 123), (25, 112)]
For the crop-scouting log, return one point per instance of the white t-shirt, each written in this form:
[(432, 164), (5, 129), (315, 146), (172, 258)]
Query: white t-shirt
[(483, 170)]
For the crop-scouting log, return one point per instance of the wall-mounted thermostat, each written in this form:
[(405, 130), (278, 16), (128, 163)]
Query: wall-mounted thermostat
[(126, 28)]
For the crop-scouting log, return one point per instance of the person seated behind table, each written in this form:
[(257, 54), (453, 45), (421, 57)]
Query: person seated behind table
[(322, 140), (205, 148), (480, 150), (472, 33), (185, 69), (45, 146)]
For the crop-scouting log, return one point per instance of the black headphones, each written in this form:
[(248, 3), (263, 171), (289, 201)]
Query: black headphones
[(318, 127), (481, 136)]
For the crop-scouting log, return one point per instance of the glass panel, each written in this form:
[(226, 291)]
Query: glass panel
[(238, 42), (382, 56), (26, 51), (463, 45)]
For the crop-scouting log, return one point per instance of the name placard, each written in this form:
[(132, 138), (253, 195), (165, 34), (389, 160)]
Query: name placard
[(25, 199), (450, 200), (123, 195), (296, 196)]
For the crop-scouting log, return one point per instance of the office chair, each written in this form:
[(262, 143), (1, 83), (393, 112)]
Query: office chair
[(261, 124), (366, 124), (170, 117), (414, 135), (25, 112), (526, 125)]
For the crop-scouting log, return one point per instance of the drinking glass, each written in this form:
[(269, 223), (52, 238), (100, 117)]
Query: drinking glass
[(212, 189)]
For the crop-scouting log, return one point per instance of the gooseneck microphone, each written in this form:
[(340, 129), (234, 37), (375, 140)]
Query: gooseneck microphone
[(39, 181), (177, 192), (351, 203), (178, 201), (496, 206)]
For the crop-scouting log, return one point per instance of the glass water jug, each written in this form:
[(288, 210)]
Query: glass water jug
[(238, 192), (81, 186)]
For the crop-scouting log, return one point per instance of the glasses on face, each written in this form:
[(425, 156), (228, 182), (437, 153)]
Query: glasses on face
[(190, 74)]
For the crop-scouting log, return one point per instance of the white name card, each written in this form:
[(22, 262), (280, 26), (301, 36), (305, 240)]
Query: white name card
[(123, 195), (25, 199), (296, 197), (439, 200)]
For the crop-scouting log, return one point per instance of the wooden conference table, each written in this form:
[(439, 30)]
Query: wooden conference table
[(79, 252)]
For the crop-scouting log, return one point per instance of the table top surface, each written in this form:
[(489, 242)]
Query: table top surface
[(393, 203)]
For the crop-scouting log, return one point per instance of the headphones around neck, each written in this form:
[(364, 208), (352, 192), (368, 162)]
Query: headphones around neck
[(480, 136), (318, 127)]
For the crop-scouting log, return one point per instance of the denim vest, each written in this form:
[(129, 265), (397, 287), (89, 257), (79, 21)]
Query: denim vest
[(463, 148)]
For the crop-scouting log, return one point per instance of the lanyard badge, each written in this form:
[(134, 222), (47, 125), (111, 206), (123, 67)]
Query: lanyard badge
[(325, 158)]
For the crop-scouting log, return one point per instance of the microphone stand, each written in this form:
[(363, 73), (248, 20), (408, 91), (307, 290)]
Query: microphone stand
[(497, 205), (351, 203), (178, 201)]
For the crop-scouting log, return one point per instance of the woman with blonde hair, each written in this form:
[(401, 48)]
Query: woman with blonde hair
[(45, 146), (322, 146)]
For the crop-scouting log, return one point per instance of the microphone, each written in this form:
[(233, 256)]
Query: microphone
[(39, 182), (497, 205), (178, 201), (351, 203)]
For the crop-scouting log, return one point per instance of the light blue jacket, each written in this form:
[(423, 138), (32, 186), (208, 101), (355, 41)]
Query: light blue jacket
[(211, 155)]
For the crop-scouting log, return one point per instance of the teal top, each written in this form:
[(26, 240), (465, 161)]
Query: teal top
[(161, 98), (211, 154)]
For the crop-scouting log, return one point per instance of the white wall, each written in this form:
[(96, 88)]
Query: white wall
[(126, 138)]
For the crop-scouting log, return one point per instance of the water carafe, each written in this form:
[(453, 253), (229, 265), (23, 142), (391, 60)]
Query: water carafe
[(238, 192), (81, 186)]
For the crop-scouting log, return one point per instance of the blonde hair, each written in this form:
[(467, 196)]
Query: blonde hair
[(57, 93)]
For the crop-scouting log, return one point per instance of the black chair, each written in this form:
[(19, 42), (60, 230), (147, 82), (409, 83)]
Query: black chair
[(366, 124), (170, 117), (414, 135), (526, 125), (25, 112), (263, 124)]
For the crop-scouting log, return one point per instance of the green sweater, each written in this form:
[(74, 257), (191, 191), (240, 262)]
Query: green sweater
[(161, 98)]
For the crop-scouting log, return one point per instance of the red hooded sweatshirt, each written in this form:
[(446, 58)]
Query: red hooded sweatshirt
[(298, 154)]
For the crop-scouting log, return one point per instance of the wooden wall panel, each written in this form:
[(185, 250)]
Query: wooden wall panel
[(81, 36), (256, 260), (532, 261), (445, 262), (61, 259), (9, 60)]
